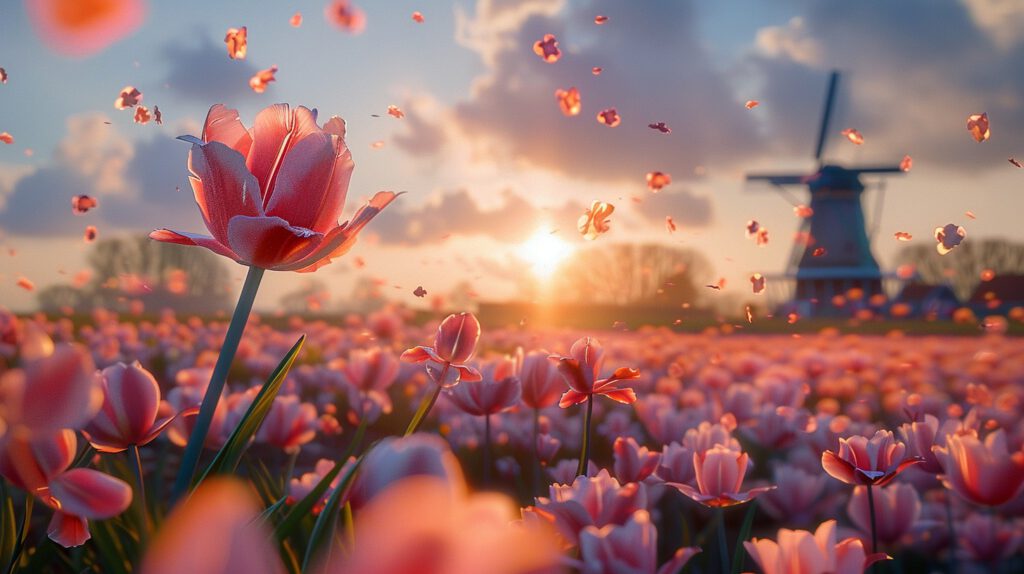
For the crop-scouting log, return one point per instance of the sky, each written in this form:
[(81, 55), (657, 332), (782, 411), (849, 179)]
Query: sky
[(487, 159)]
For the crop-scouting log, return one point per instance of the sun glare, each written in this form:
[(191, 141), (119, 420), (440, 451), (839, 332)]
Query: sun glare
[(543, 252)]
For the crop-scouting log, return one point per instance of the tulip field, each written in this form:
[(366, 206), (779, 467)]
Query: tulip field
[(379, 445)]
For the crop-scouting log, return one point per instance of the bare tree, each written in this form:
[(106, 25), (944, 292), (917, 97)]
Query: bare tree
[(962, 267), (626, 273)]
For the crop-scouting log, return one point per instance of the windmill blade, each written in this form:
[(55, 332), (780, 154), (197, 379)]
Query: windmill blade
[(833, 82), (878, 169), (779, 179)]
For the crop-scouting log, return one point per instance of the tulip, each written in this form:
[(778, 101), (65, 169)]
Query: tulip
[(919, 437), (633, 463), (581, 370), (631, 548), (498, 391), (396, 458), (899, 503), (801, 552), (215, 531), (454, 344), (368, 374), (983, 472), (590, 501), (128, 417), (542, 387), (272, 197), (719, 472), (289, 424), (40, 467), (987, 539), (796, 494)]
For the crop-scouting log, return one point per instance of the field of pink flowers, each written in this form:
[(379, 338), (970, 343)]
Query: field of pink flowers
[(643, 452)]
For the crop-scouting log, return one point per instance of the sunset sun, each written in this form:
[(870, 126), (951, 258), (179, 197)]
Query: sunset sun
[(544, 252)]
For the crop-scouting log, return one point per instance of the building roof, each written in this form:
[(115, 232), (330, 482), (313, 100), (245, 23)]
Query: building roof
[(1002, 287)]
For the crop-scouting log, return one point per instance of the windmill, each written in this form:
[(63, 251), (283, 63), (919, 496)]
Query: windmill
[(834, 255)]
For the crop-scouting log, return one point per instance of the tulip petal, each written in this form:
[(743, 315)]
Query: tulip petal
[(420, 355), (624, 396), (312, 183), (67, 374), (182, 238), (468, 374), (270, 242), (339, 240), (572, 397), (276, 129), (68, 530), (223, 187), (223, 125), (90, 493)]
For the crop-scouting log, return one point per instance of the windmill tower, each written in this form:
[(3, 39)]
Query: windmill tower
[(836, 256)]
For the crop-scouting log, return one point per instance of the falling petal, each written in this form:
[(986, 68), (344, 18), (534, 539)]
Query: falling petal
[(609, 117), (568, 101), (594, 221), (3, 76), (6, 138), (949, 237), (158, 116), (977, 124), (670, 224), (970, 214), (81, 204), (906, 163), (142, 115), (237, 42), (853, 135), (82, 28), (596, 70), (819, 251), (417, 17), (129, 97), (547, 49), (1015, 163), (395, 112), (90, 234), (599, 19), (344, 15), (420, 291), (657, 180), (262, 79), (661, 127), (757, 281), (26, 284), (903, 236), (296, 20), (987, 274), (803, 211), (751, 104)]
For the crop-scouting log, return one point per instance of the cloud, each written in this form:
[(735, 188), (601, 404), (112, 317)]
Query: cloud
[(457, 213), (512, 111), (201, 72), (913, 72), (684, 207)]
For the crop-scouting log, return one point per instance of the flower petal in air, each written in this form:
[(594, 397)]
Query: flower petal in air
[(276, 129), (312, 183), (90, 493), (223, 187), (270, 242), (223, 125), (182, 238), (84, 27)]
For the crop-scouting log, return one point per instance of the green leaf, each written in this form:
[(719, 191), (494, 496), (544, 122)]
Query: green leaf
[(304, 507), (230, 454), (748, 522), (8, 526), (325, 524)]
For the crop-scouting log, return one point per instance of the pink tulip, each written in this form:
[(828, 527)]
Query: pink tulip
[(272, 197), (369, 374), (676, 464), (493, 394), (542, 385), (131, 402), (214, 531), (985, 538), (289, 424), (919, 437), (40, 467), (872, 462), (720, 473), (633, 463), (797, 494), (628, 549), (396, 458), (983, 472), (590, 501), (454, 344), (898, 505), (581, 370), (56, 388), (443, 530), (800, 552), (84, 27)]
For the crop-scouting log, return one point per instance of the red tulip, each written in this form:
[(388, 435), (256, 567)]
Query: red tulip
[(983, 472), (720, 471), (272, 197), (454, 344), (581, 370), (131, 401), (872, 462)]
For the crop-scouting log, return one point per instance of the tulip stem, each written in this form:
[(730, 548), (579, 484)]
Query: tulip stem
[(723, 545), (26, 523), (536, 454), (581, 470), (953, 566), (427, 403), (140, 490), (190, 460), (487, 450), (874, 530), (289, 468)]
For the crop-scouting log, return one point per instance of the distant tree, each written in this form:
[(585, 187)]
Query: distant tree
[(633, 273), (962, 267), (367, 295), (310, 297), (56, 298)]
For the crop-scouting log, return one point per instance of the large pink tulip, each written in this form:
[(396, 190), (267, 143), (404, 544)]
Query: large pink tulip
[(983, 472), (272, 196), (872, 462), (131, 402), (590, 501), (720, 471), (214, 531), (631, 548), (801, 552), (581, 370), (396, 458), (542, 385)]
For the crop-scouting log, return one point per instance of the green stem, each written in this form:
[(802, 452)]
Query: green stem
[(427, 403), (190, 460), (740, 551), (140, 492), (289, 468), (536, 454), (953, 566), (723, 545), (581, 470), (350, 525), (871, 509), (22, 535)]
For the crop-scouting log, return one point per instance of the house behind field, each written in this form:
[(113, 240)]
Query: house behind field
[(998, 295)]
